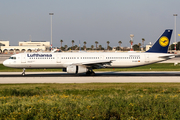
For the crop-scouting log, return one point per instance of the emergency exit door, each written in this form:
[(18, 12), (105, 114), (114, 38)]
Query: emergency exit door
[(23, 58)]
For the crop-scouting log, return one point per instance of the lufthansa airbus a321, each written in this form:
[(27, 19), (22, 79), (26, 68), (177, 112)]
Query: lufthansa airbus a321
[(83, 62)]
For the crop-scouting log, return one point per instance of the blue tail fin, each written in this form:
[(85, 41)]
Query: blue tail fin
[(162, 44)]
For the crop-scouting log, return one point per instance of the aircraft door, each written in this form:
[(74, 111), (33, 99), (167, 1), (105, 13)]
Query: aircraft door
[(58, 58), (147, 58), (23, 58)]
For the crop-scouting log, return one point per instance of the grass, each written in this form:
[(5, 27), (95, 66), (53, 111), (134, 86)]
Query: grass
[(90, 101), (151, 67)]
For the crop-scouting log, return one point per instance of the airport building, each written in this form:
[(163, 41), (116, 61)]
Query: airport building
[(26, 46)]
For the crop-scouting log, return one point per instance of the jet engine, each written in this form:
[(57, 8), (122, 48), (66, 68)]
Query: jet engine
[(75, 69)]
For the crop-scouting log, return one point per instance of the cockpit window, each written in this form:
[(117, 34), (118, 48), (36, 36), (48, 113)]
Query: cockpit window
[(12, 58)]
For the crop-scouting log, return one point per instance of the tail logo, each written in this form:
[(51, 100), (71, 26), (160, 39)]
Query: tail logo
[(163, 41)]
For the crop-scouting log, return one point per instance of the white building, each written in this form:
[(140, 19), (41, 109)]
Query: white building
[(35, 43), (4, 43), (24, 46)]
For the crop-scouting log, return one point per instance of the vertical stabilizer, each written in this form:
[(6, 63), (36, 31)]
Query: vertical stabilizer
[(162, 44)]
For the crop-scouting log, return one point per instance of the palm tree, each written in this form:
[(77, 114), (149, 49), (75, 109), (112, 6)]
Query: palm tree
[(65, 47), (75, 47), (120, 44), (92, 46), (61, 43), (143, 43), (139, 44), (100, 46), (96, 42), (72, 43), (85, 45), (108, 44)]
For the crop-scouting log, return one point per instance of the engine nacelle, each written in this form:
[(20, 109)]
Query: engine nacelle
[(76, 69)]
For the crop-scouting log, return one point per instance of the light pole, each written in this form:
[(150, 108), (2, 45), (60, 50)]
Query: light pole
[(51, 14), (175, 31)]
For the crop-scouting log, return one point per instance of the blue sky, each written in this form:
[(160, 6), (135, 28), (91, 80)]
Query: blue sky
[(87, 20)]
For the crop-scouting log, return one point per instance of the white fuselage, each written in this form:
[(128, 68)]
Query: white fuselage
[(62, 60)]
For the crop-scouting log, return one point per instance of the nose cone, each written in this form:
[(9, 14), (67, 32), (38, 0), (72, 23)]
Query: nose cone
[(6, 63)]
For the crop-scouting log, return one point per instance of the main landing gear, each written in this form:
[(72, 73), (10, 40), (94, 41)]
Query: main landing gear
[(23, 73), (90, 72)]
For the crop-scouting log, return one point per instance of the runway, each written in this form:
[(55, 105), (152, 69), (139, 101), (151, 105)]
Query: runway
[(100, 77)]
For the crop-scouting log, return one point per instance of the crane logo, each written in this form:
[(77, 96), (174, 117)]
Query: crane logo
[(163, 41)]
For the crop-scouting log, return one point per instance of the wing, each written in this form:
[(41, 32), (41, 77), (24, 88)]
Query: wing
[(167, 56), (96, 64)]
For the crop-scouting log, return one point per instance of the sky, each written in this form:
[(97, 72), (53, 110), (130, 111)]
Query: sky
[(88, 20)]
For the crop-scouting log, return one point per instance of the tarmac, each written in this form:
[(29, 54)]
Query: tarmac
[(100, 77)]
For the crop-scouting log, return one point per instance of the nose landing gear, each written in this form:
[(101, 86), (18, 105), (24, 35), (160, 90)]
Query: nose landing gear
[(23, 73)]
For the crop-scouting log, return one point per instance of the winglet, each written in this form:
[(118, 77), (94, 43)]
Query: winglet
[(162, 44)]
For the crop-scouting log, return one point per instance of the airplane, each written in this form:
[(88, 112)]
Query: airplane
[(83, 62)]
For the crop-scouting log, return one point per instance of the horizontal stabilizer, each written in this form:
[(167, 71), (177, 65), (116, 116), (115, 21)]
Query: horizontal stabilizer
[(166, 56)]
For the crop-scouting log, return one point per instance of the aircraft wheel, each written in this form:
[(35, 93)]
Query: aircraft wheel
[(23, 74), (90, 73)]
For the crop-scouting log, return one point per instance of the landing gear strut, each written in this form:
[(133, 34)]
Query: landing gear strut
[(23, 73), (90, 72)]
